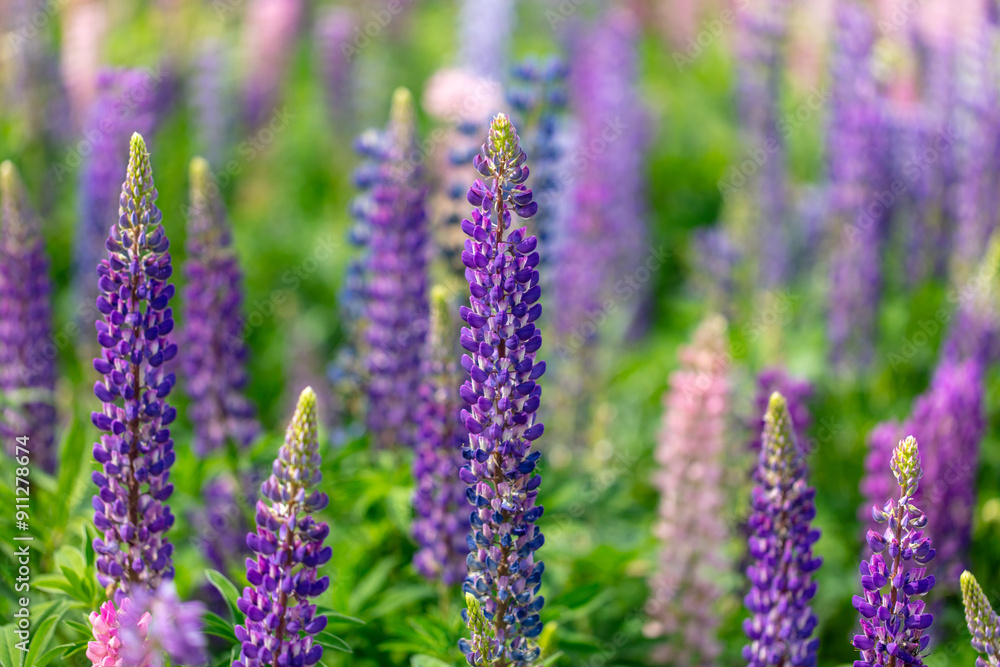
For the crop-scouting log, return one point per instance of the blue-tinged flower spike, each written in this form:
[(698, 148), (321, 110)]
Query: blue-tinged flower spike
[(214, 351), (893, 620), (136, 451), (27, 369), (982, 621), (781, 537), (396, 308), (281, 622), (439, 500), (503, 399)]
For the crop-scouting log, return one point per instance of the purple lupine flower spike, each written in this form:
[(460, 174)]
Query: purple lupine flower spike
[(27, 366), (442, 511), (781, 537), (395, 209), (503, 399), (215, 352), (893, 620), (984, 626), (280, 621), (218, 523), (690, 473), (135, 451), (857, 164)]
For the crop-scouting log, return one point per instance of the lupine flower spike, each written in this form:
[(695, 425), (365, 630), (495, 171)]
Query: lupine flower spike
[(692, 523), (782, 622), (215, 355), (442, 512), (119, 634), (501, 417), (281, 623), (983, 622), (396, 286), (27, 370), (135, 451), (893, 620)]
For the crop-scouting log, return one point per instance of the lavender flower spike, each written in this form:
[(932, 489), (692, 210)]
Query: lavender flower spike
[(215, 355), (502, 398), (136, 451), (782, 622), (893, 622), (27, 370), (281, 622), (983, 622), (396, 311), (442, 516)]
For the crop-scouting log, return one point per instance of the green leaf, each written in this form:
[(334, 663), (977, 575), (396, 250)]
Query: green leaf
[(41, 633), (228, 590), (400, 596), (333, 642), (337, 616), (551, 659), (218, 626), (371, 583), (10, 655), (427, 661), (45, 658)]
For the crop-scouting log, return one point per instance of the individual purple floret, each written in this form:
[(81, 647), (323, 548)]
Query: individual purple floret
[(281, 623), (215, 355), (893, 620), (857, 165), (439, 500), (136, 451), (503, 399), (797, 394), (27, 353), (394, 208), (781, 624)]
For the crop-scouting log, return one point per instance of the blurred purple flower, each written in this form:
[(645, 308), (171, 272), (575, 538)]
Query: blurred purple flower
[(782, 622), (857, 161), (762, 31), (215, 352), (334, 31), (393, 204), (689, 477), (173, 628), (27, 350), (894, 622), (135, 451), (128, 100), (797, 394), (280, 621), (484, 33), (442, 510), (503, 398), (604, 234), (210, 100), (218, 523)]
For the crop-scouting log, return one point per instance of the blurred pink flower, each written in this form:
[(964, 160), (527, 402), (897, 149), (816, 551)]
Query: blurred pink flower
[(115, 632)]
